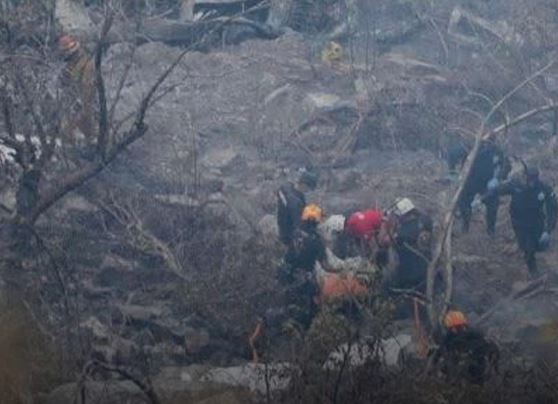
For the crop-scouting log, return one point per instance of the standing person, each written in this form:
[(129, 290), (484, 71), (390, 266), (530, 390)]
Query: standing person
[(533, 211), (79, 76), (490, 167), (290, 204)]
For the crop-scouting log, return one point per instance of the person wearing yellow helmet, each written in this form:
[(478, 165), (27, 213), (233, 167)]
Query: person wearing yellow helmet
[(464, 351), (312, 213), (298, 270)]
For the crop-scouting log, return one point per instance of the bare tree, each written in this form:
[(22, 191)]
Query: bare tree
[(35, 105)]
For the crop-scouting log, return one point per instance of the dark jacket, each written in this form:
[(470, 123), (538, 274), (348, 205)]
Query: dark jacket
[(307, 248), (533, 208), (467, 353), (290, 204), (411, 226), (413, 255), (491, 162)]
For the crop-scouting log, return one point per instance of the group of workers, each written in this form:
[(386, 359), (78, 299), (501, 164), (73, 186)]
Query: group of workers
[(372, 233), (403, 228), (533, 206)]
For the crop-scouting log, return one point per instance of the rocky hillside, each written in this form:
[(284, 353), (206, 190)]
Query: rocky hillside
[(163, 263)]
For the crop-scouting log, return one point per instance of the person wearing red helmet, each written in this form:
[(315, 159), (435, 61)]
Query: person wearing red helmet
[(365, 225), (361, 232)]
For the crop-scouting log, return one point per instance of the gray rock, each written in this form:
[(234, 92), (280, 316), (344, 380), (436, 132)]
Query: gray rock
[(268, 226), (98, 330), (253, 376), (109, 392), (358, 353), (224, 159), (195, 339)]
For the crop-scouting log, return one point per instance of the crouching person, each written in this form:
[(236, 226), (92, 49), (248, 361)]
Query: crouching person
[(297, 273), (410, 232), (465, 354)]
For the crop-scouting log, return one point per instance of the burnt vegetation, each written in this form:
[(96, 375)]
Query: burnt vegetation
[(138, 247)]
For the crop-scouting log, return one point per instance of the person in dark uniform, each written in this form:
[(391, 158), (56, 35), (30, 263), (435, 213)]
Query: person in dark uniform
[(465, 353), (290, 203), (412, 238), (298, 271), (490, 167), (533, 211)]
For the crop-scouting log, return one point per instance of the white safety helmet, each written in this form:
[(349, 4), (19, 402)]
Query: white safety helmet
[(336, 222), (403, 206), (332, 225)]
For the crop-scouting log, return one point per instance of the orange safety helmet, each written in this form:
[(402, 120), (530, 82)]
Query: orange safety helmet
[(312, 212), (455, 319), (68, 44)]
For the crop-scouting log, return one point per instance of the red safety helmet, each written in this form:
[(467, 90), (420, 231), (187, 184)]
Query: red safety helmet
[(364, 224)]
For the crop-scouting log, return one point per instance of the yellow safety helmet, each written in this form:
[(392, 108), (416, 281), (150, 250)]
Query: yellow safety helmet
[(312, 212), (333, 52), (455, 319)]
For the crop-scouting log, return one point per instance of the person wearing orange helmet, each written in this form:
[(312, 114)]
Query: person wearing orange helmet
[(297, 272), (79, 77), (307, 247), (464, 351)]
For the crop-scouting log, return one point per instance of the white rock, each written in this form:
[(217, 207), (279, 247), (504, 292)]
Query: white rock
[(253, 376), (358, 353)]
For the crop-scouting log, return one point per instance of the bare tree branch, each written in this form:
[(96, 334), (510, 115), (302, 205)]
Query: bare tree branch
[(103, 137)]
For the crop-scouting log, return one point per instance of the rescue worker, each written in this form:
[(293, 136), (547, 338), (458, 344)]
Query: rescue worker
[(465, 352), (490, 167), (298, 271), (411, 231), (533, 211), (79, 76), (290, 204)]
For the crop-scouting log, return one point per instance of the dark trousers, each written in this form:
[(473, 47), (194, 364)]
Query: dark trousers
[(528, 241), (492, 203)]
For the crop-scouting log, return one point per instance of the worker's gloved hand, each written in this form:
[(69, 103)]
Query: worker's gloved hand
[(544, 241), (476, 204), (492, 184)]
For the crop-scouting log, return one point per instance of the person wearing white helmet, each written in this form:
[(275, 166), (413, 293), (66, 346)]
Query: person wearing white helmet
[(411, 232)]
